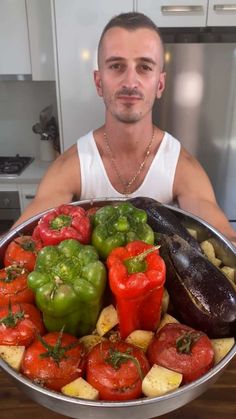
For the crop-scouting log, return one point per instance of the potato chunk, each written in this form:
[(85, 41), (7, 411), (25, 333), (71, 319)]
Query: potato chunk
[(160, 380), (90, 340), (165, 302), (140, 338), (167, 318), (230, 273), (107, 320), (221, 347), (12, 355), (80, 388), (209, 252), (192, 232)]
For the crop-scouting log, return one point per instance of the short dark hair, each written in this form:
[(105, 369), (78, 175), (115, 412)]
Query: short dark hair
[(130, 21)]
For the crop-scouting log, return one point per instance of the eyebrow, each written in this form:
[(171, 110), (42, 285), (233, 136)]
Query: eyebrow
[(118, 58), (148, 60), (114, 58)]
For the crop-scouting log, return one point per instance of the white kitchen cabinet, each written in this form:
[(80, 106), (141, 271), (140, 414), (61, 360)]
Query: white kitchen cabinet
[(189, 13), (27, 193), (14, 40), (40, 39), (26, 41), (78, 26), (4, 187), (175, 13), (221, 13)]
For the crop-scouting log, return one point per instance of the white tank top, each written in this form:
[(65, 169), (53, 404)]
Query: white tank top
[(158, 183)]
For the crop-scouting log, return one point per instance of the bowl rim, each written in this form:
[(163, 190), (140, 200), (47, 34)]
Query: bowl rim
[(214, 371), (129, 403)]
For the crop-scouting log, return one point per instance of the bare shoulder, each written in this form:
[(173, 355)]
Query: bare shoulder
[(190, 177), (187, 160), (66, 164), (63, 176), (67, 157), (194, 193)]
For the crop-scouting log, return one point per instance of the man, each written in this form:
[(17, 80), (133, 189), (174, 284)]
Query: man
[(128, 156)]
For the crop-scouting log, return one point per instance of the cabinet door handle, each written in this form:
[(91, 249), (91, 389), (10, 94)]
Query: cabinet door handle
[(221, 8), (191, 9), (29, 196)]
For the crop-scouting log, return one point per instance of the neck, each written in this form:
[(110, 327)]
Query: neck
[(128, 183), (127, 136)]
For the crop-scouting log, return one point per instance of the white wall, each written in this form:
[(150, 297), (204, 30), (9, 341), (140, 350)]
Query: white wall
[(20, 105), (77, 30)]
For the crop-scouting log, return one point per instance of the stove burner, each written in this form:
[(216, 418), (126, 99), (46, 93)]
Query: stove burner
[(13, 165)]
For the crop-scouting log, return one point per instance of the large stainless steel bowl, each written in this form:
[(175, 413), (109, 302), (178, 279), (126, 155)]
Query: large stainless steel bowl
[(141, 408)]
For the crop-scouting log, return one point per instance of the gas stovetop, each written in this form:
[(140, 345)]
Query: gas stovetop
[(13, 165)]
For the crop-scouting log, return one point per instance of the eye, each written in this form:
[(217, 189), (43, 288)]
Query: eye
[(116, 66), (145, 68)]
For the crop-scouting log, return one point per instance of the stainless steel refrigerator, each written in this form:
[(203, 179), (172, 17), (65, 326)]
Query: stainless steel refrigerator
[(199, 108)]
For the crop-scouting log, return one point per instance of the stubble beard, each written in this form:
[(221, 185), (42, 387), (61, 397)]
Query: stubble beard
[(127, 115), (127, 118)]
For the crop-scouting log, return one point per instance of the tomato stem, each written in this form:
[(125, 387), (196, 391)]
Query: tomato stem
[(27, 245), (56, 352), (12, 319), (115, 358), (185, 342), (13, 271)]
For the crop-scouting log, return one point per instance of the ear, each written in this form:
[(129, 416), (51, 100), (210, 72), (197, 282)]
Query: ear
[(98, 82), (161, 85)]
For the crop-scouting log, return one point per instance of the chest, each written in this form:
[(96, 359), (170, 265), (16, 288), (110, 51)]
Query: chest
[(127, 174)]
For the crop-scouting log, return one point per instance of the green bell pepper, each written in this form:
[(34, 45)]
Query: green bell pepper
[(69, 282), (117, 225)]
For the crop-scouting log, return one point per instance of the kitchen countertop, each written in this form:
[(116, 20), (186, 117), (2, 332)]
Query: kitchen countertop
[(32, 174), (218, 402)]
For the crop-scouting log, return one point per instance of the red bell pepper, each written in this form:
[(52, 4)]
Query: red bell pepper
[(136, 276), (64, 222)]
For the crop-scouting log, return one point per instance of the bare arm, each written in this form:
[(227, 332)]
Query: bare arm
[(194, 193), (58, 186)]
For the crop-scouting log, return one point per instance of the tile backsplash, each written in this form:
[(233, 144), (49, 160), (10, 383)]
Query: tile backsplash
[(20, 105)]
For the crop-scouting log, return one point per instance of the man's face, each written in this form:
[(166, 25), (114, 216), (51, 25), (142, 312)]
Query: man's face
[(130, 75)]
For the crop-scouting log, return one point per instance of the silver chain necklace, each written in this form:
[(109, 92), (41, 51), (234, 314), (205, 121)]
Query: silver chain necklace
[(127, 185)]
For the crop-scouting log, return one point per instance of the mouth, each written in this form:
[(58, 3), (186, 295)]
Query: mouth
[(128, 98)]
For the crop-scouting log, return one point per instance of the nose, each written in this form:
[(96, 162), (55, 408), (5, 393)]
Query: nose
[(130, 78)]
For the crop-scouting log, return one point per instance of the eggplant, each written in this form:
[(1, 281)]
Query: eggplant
[(201, 294), (163, 220)]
